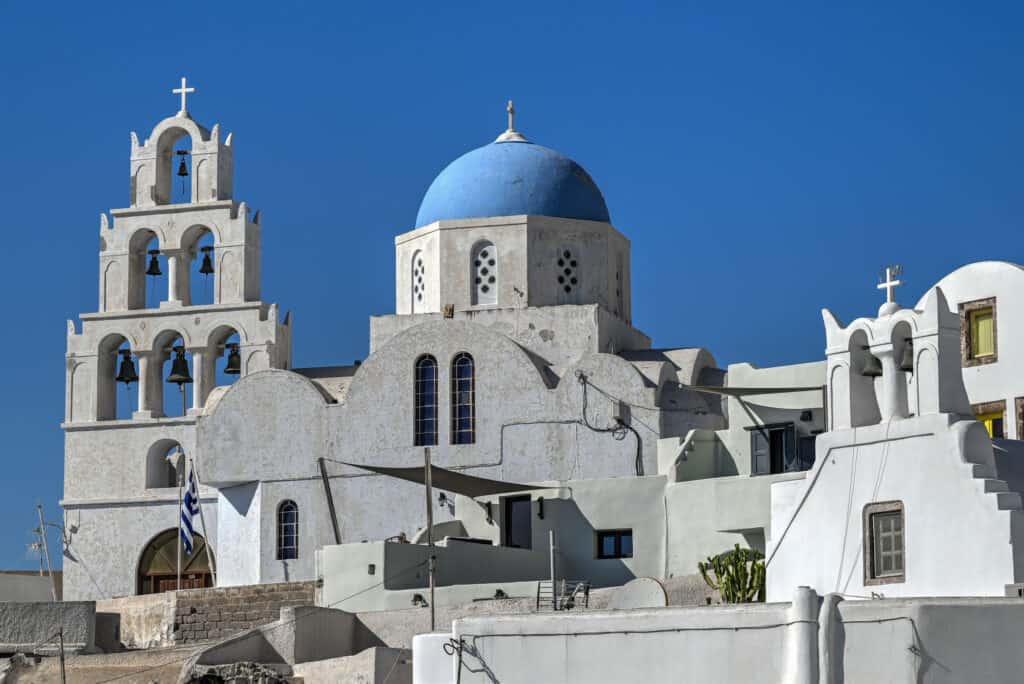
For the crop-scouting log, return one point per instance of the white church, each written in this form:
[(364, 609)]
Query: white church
[(887, 465)]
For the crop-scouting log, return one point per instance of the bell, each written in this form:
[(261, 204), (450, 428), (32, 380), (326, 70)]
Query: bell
[(182, 167), (179, 368), (207, 267), (127, 373), (234, 364), (872, 367), (154, 263), (907, 358)]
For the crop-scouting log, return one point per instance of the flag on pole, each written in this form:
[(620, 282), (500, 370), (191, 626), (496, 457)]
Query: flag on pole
[(189, 509)]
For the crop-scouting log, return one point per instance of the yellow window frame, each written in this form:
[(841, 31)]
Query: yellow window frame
[(988, 419), (982, 322)]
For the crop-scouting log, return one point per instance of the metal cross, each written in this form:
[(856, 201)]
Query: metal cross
[(889, 283), (184, 90), (511, 115)]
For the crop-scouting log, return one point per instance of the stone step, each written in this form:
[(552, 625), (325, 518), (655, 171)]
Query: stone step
[(992, 485), (1009, 501), (982, 471)]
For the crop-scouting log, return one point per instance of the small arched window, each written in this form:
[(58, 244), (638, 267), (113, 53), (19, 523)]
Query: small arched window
[(463, 400), (425, 391), (484, 271), (287, 530)]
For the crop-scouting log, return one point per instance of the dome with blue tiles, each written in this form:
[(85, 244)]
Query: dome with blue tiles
[(512, 176)]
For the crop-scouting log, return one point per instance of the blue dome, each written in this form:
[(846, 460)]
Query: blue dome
[(510, 178)]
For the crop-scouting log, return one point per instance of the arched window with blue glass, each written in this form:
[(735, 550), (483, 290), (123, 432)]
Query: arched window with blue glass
[(426, 401), (287, 530), (463, 399)]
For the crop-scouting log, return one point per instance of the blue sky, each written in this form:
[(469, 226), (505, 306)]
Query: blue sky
[(765, 159)]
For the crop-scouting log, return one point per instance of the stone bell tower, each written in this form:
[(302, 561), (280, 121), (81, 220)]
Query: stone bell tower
[(114, 455)]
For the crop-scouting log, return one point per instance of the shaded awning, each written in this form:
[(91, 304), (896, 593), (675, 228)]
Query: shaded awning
[(450, 480), (750, 391)]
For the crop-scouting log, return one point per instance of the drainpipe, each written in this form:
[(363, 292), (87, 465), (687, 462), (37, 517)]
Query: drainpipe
[(801, 641), (828, 625)]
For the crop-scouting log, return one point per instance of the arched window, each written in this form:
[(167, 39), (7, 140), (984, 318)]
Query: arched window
[(287, 530), (426, 401), (463, 400), (484, 271)]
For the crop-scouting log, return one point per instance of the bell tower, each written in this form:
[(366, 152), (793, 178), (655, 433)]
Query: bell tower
[(149, 332)]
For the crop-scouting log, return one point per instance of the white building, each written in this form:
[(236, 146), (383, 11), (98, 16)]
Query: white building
[(512, 355)]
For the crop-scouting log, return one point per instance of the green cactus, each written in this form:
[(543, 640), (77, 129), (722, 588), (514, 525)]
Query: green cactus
[(737, 575)]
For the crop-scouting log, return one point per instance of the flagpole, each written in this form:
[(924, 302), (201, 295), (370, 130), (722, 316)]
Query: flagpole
[(181, 479), (202, 521)]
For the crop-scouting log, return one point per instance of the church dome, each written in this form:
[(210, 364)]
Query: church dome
[(512, 176)]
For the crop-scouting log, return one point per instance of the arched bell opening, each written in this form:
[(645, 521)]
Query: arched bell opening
[(147, 274), (225, 349), (174, 167), (164, 464), (158, 565), (865, 369), (903, 354), (197, 245), (117, 379), (174, 363)]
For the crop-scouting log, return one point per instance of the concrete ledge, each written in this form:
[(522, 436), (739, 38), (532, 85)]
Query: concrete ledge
[(27, 627)]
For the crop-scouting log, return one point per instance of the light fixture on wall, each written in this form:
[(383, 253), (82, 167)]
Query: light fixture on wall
[(234, 364), (207, 266), (419, 601), (907, 358), (126, 373), (872, 367), (154, 263)]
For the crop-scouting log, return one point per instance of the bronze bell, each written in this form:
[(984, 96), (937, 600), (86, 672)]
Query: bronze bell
[(207, 266), (182, 167), (907, 358), (234, 364), (154, 263), (872, 367), (127, 373), (180, 374)]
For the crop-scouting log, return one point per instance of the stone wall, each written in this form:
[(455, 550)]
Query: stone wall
[(205, 614)]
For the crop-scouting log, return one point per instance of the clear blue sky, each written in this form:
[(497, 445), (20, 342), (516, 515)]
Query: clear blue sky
[(765, 159)]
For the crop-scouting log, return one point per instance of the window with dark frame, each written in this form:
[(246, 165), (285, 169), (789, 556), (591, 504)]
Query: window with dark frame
[(463, 405), (614, 544), (425, 397), (978, 332), (884, 543), (287, 531)]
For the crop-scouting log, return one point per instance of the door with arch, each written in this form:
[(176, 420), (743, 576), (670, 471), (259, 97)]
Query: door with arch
[(158, 570)]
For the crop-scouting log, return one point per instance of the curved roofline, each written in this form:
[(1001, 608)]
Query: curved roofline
[(973, 264)]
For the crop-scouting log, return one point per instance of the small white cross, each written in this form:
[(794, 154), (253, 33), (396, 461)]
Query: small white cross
[(890, 283), (184, 90)]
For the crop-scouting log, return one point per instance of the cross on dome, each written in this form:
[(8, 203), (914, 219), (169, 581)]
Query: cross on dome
[(184, 90), (511, 134)]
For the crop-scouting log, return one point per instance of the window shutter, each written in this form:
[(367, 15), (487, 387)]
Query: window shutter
[(760, 458)]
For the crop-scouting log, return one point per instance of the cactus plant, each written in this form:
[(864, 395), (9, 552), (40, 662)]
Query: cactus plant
[(737, 575)]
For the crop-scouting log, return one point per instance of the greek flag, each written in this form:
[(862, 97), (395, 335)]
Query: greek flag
[(189, 509)]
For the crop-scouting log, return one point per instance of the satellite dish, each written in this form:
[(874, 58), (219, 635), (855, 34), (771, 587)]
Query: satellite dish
[(643, 592)]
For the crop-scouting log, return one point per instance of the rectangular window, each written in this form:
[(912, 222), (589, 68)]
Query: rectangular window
[(884, 550), (518, 522), (615, 544), (773, 449), (992, 415), (978, 339)]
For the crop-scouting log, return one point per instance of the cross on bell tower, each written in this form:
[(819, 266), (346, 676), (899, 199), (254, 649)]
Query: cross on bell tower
[(889, 283), (184, 90)]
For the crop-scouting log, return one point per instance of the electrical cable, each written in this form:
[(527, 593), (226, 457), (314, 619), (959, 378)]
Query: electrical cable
[(618, 431)]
